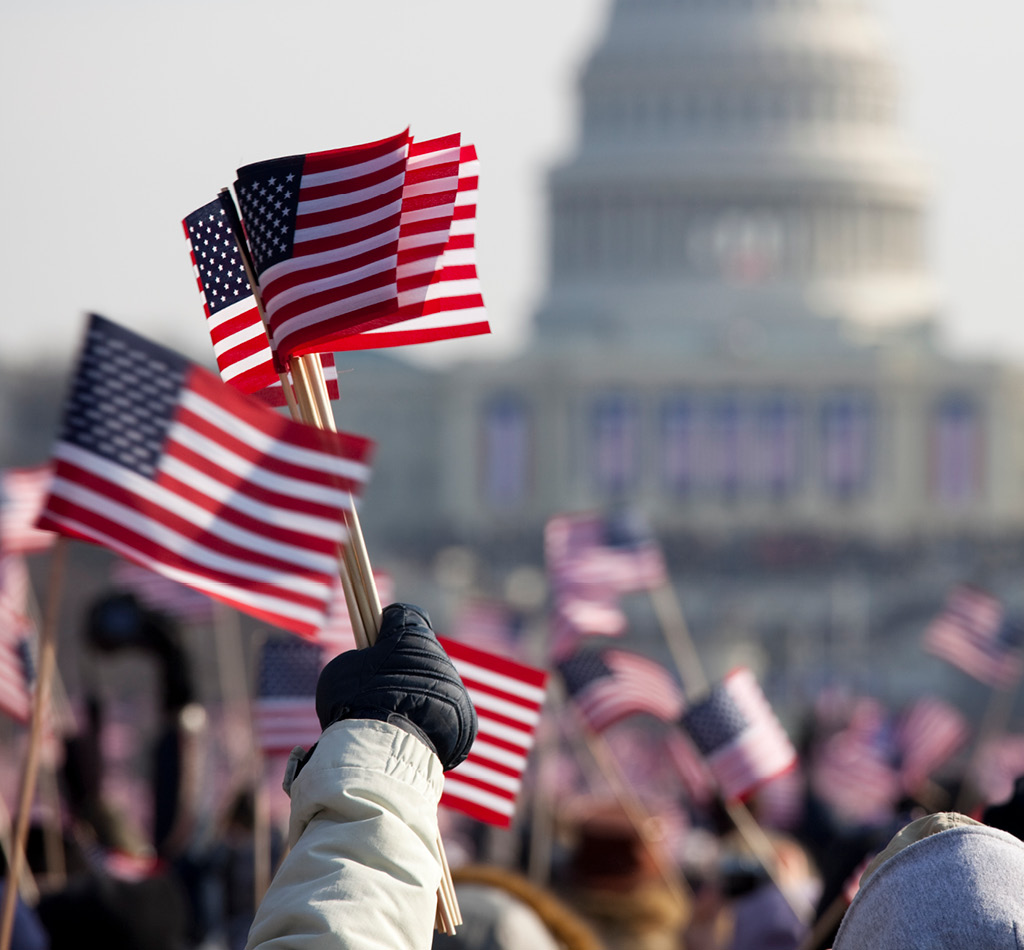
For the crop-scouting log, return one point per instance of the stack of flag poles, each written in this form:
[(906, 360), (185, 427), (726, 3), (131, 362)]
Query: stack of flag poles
[(40, 700), (310, 403)]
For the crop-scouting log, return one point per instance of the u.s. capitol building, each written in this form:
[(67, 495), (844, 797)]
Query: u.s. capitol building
[(739, 330)]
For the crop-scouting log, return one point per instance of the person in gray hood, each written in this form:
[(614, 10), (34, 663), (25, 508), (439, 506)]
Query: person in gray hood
[(944, 882)]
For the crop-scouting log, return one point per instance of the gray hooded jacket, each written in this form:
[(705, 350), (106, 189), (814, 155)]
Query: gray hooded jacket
[(962, 887)]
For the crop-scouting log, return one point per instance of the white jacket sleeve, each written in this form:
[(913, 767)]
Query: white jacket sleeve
[(363, 869)]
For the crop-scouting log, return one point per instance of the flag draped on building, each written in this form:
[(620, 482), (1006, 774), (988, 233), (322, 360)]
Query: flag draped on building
[(974, 634), (736, 731), (162, 463), (284, 711), (508, 697), (236, 328), (605, 686), (22, 493)]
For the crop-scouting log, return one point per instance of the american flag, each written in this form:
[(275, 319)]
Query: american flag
[(237, 331), (451, 305), (284, 711), (974, 634), (158, 592), (929, 733), (589, 550), (17, 640), (324, 231), (577, 614), (508, 697), (22, 492), (162, 463), (854, 771), (736, 731), (605, 686), (487, 625)]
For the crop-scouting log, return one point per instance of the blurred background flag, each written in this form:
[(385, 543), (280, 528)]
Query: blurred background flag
[(284, 711), (17, 640), (974, 634), (929, 734), (336, 635), (605, 686), (324, 231), (160, 593), (162, 463), (739, 736), (237, 331), (508, 697), (22, 493)]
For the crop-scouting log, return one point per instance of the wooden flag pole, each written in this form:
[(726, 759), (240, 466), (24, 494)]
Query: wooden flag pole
[(40, 702), (360, 589), (602, 756), (672, 621)]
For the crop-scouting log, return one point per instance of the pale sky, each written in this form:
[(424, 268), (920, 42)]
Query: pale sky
[(121, 117)]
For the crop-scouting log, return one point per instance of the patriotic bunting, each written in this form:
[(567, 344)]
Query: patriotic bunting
[(165, 465)]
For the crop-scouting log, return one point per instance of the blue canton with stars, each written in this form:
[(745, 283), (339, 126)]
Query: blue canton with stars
[(289, 667), (28, 661), (123, 397), (580, 670), (268, 196), (715, 721), (215, 249)]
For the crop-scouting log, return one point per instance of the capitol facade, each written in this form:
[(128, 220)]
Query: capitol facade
[(739, 332)]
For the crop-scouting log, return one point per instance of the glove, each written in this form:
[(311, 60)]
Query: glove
[(405, 679)]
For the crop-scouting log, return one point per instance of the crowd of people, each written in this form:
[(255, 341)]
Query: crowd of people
[(360, 866)]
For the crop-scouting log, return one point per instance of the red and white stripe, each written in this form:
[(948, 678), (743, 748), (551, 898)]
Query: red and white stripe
[(637, 685), (15, 628), (22, 492), (343, 269), (450, 303), (246, 506), (508, 697)]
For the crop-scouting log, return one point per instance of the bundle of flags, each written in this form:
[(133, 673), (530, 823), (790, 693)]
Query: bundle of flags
[(974, 634), (362, 247), (592, 560)]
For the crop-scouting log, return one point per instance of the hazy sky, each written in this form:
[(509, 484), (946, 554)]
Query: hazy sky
[(121, 117)]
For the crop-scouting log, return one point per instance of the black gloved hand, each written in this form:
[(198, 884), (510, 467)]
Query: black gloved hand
[(406, 679)]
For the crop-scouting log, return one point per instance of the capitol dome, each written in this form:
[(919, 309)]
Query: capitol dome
[(739, 164)]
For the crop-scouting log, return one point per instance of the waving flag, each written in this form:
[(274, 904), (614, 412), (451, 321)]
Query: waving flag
[(449, 302), (974, 634), (736, 731), (930, 732), (508, 697), (284, 711), (324, 231), (17, 641), (22, 492), (237, 331), (165, 465), (158, 592), (608, 685)]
